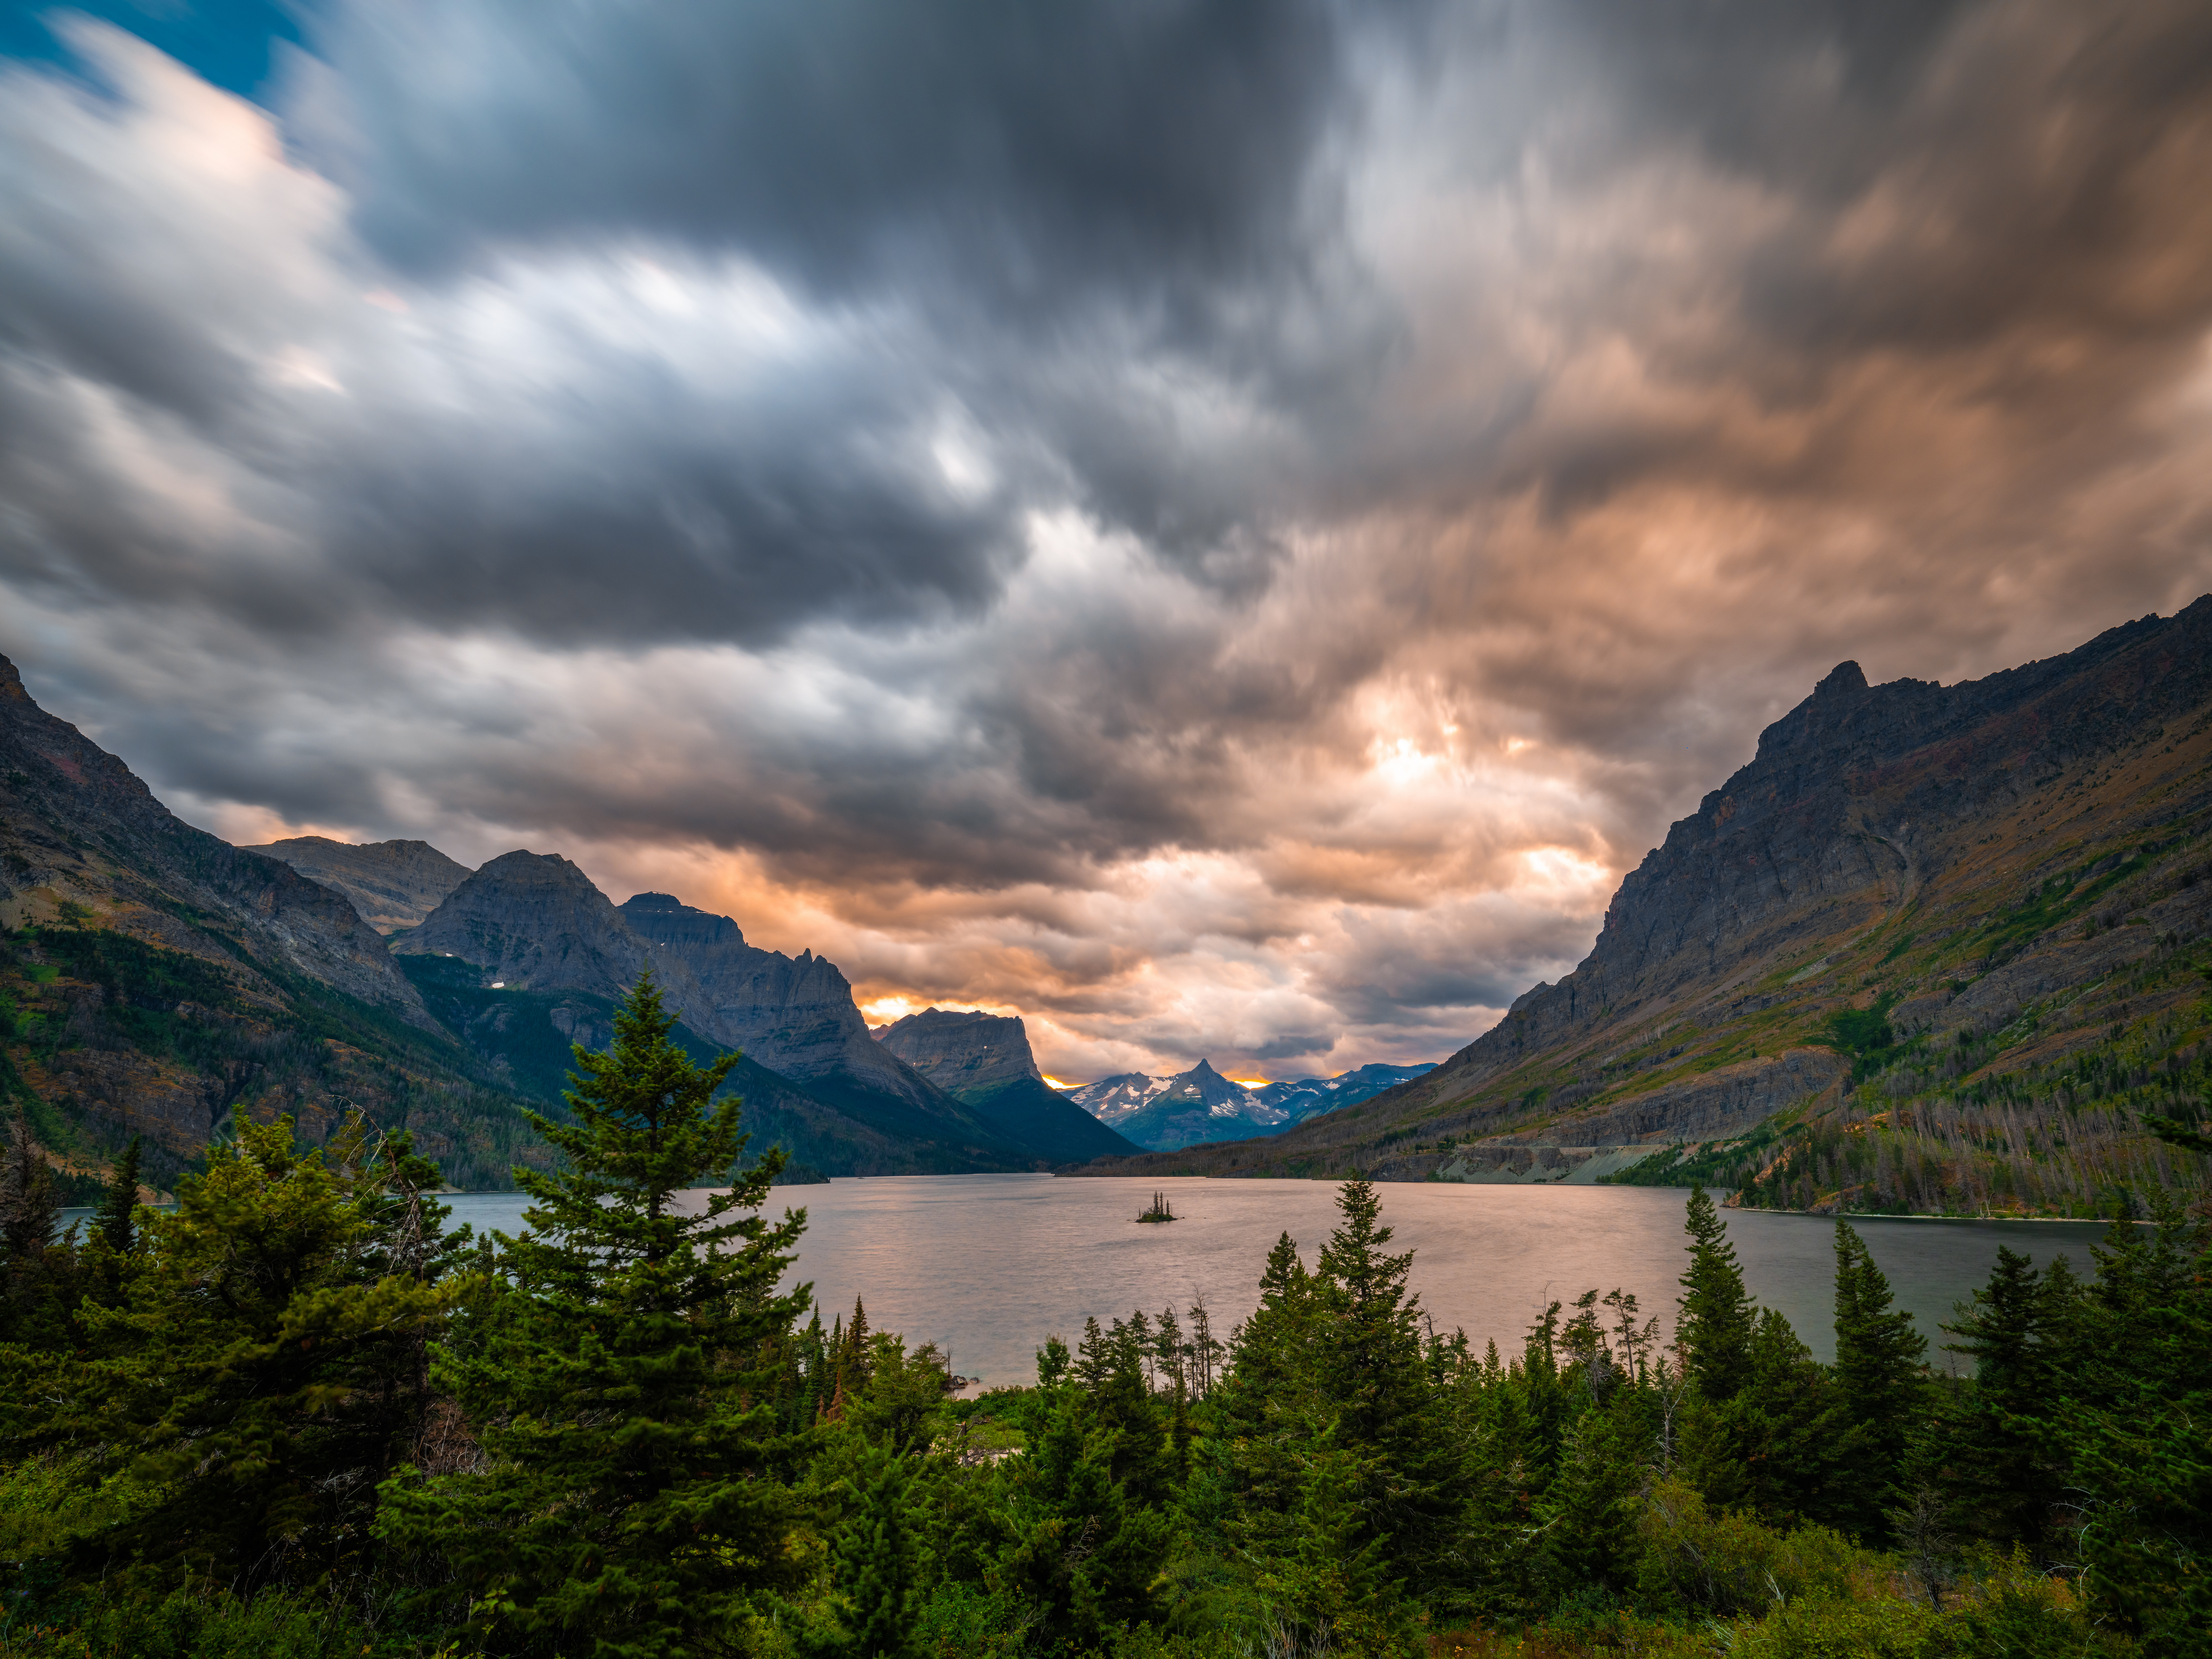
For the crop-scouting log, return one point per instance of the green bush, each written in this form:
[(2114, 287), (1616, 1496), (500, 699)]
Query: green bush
[(1728, 1563)]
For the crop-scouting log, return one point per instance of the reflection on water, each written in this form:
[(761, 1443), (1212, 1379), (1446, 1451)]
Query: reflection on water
[(985, 1265)]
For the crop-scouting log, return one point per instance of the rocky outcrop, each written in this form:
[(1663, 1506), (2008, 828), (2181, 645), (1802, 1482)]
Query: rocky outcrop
[(394, 885), (984, 1060), (534, 921)]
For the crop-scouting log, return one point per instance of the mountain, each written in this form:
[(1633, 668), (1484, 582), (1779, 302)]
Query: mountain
[(533, 924), (155, 980), (393, 884), (985, 1060), (1302, 1098), (1163, 1114), (1934, 948)]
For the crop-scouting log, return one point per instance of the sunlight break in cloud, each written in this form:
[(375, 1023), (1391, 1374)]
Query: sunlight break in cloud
[(1236, 590)]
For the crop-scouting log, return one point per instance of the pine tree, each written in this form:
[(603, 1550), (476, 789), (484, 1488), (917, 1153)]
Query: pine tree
[(116, 1223), (1370, 1372), (1081, 1558), (1880, 1387), (625, 1386), (1714, 1326), (32, 1310)]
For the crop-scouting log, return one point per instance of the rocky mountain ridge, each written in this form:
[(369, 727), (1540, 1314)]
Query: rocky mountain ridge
[(534, 923), (2013, 861), (1162, 1114)]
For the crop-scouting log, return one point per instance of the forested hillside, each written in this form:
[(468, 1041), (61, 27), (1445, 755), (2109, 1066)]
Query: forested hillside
[(297, 1418)]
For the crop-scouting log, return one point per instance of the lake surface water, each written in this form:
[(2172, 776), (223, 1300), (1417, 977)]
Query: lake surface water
[(987, 1266)]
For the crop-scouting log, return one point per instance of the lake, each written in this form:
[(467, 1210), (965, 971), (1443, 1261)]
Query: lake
[(987, 1265)]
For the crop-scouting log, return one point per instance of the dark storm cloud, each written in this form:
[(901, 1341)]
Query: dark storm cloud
[(1034, 150)]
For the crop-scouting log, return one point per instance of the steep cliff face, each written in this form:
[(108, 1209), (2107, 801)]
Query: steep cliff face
[(534, 921), (985, 1061), (393, 884), (1955, 856), (962, 1050)]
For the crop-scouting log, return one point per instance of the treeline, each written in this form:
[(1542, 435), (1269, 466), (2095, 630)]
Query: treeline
[(297, 1416)]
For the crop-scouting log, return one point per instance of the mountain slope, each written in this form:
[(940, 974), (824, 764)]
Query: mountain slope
[(1934, 947), (393, 884), (155, 980), (985, 1060)]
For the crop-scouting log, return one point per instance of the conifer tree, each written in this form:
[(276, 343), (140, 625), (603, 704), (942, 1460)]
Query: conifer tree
[(2001, 1458), (625, 1388), (872, 1565), (117, 1222), (1714, 1326), (1880, 1389), (257, 1376), (1082, 1558)]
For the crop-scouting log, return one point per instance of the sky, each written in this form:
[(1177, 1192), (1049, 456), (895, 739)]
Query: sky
[(1221, 528)]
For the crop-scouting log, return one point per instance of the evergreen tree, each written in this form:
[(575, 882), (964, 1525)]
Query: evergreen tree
[(116, 1223), (1777, 1428), (1714, 1326), (872, 1565), (625, 1388), (1880, 1387), (1331, 1593), (2002, 1461), (258, 1377), (1081, 1558), (1586, 1520), (32, 1270), (1370, 1371)]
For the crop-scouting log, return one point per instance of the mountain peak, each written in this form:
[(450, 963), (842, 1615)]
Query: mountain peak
[(1843, 677)]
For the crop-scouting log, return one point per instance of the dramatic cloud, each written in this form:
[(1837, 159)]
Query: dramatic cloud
[(1220, 527)]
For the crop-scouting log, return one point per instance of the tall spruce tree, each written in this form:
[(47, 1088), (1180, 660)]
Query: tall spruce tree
[(625, 1386), (2002, 1464), (1370, 1371), (872, 1564), (1882, 1388), (1717, 1318)]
